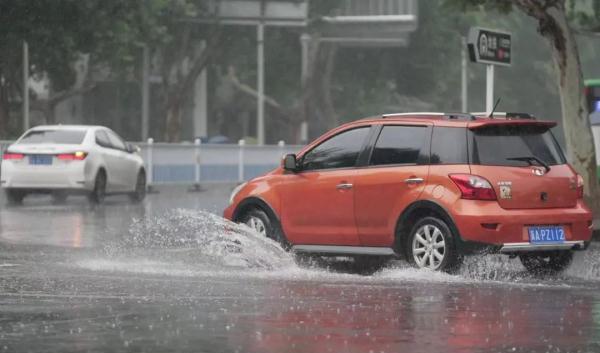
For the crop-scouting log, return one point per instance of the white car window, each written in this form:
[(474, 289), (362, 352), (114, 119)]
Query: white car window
[(116, 141), (102, 139), (68, 137)]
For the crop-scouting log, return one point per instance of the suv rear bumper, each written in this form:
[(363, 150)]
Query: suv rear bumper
[(526, 247), (488, 223)]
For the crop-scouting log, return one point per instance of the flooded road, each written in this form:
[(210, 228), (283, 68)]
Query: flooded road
[(168, 275)]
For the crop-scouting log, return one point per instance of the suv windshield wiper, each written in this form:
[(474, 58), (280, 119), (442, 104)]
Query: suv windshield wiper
[(530, 159)]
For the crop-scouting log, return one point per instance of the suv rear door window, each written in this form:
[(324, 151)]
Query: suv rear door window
[(496, 145), (61, 137), (401, 145), (340, 151), (449, 145)]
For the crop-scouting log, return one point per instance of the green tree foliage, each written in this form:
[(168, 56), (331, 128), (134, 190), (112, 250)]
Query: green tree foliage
[(555, 25), (57, 32)]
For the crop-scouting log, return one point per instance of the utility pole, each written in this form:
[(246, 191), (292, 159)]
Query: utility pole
[(25, 86), (145, 92), (260, 111), (464, 83), (489, 90)]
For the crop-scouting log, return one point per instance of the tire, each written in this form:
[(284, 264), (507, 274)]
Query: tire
[(548, 262), (140, 188), (59, 197), (14, 197), (432, 245), (260, 222), (97, 195)]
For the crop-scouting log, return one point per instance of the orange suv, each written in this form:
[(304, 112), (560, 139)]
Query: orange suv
[(429, 187)]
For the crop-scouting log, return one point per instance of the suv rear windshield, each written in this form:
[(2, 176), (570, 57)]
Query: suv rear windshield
[(62, 137), (499, 145)]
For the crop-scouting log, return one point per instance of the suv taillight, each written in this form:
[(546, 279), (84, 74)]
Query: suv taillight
[(473, 187), (579, 186), (13, 156)]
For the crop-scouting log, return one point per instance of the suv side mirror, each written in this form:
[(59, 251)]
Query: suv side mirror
[(290, 163)]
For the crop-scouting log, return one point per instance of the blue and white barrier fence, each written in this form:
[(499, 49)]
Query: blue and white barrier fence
[(196, 163)]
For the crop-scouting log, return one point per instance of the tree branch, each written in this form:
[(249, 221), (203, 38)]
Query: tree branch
[(251, 92), (66, 94), (201, 61)]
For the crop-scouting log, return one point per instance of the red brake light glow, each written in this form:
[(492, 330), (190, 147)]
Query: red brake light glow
[(473, 187), (12, 156), (77, 156)]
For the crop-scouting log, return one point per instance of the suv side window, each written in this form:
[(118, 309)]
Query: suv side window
[(339, 151), (449, 146), (398, 144), (102, 139), (116, 141)]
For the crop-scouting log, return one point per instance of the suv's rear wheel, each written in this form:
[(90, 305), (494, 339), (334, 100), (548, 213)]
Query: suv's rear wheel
[(549, 262), (431, 244)]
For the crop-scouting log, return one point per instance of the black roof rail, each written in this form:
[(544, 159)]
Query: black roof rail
[(514, 115), (459, 116)]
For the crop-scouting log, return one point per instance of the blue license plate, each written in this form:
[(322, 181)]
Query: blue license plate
[(546, 235), (40, 159)]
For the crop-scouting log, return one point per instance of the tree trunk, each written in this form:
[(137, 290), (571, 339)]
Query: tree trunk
[(318, 104), (173, 128), (578, 133), (328, 106)]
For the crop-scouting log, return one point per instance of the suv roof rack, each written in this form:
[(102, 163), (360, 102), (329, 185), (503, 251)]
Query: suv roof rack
[(448, 116), (413, 114), (460, 116), (508, 115)]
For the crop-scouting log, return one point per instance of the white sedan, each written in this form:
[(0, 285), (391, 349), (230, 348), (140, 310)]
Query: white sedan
[(65, 159)]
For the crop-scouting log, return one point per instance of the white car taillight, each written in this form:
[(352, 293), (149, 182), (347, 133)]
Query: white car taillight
[(12, 156), (77, 156)]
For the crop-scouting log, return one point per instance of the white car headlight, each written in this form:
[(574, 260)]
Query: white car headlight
[(235, 192)]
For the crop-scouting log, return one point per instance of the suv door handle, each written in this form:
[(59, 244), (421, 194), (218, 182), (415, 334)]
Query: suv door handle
[(413, 181), (343, 186)]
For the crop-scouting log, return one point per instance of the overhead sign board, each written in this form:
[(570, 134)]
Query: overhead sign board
[(370, 23), (269, 12), (490, 47)]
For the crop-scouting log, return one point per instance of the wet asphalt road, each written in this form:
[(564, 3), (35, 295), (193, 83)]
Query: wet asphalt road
[(76, 278)]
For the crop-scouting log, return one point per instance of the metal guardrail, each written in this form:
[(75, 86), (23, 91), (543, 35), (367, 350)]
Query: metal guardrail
[(196, 163)]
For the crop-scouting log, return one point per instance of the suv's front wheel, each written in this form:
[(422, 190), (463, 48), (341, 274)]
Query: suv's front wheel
[(261, 223), (549, 262), (431, 245)]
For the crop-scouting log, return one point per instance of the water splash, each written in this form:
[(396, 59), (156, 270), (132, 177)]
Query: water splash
[(199, 238), (200, 244)]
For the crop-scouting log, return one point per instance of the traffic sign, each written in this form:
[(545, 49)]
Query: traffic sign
[(490, 47)]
